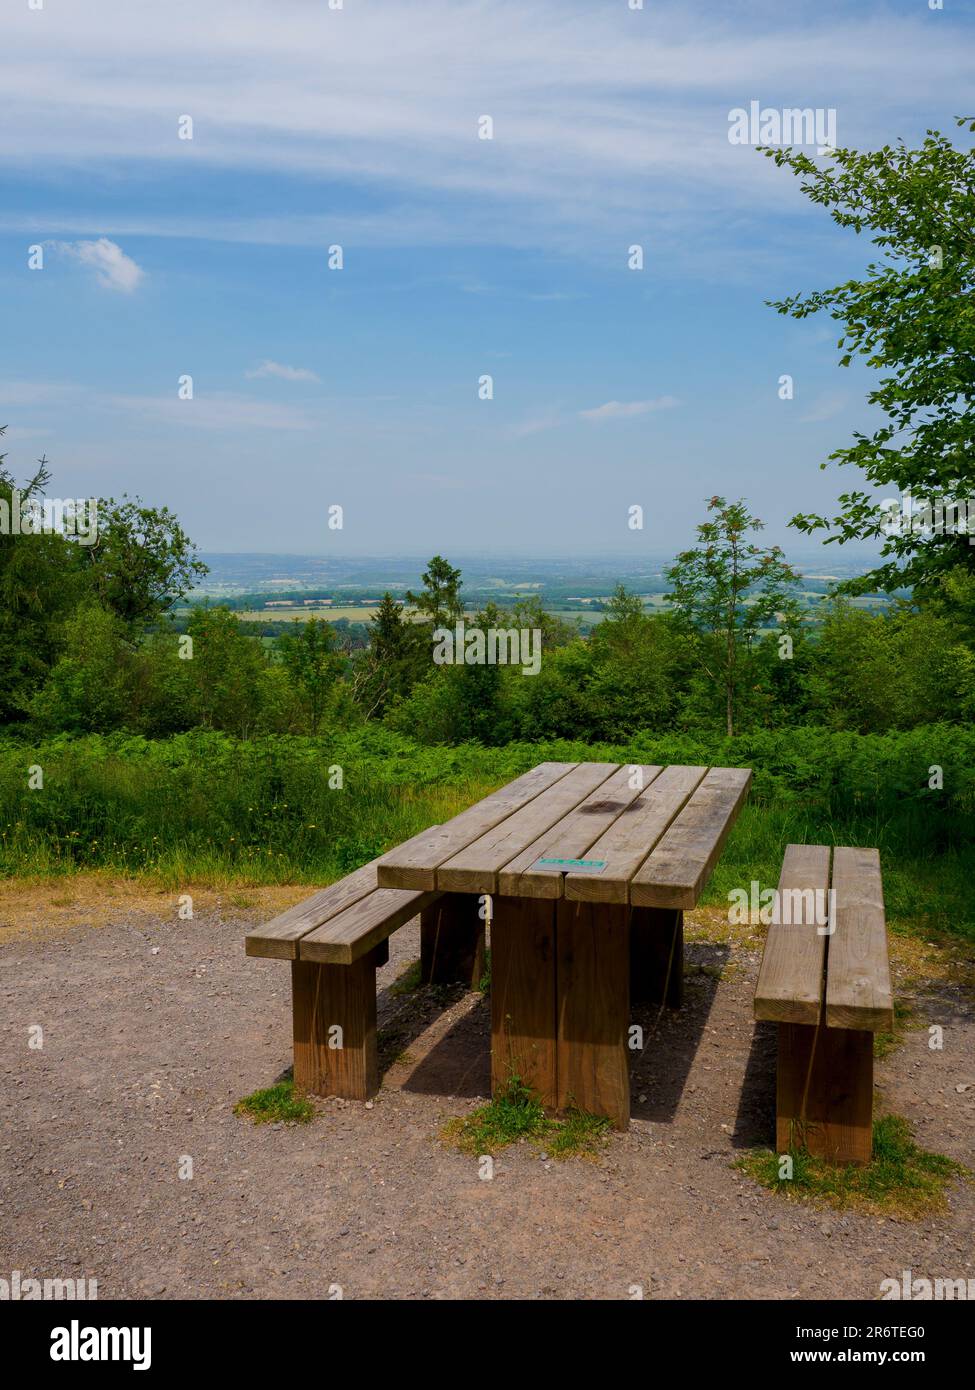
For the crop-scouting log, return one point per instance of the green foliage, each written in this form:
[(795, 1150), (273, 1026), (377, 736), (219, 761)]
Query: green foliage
[(902, 1180), (724, 590), (516, 1114), (439, 600), (910, 318), (309, 657), (279, 1104)]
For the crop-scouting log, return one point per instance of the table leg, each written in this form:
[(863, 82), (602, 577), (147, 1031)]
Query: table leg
[(657, 956), (592, 974), (523, 996), (452, 941)]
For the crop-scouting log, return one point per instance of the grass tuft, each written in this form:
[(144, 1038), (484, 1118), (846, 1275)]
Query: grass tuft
[(902, 1180), (517, 1114), (276, 1105)]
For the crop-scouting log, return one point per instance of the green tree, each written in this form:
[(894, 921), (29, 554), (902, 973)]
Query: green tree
[(143, 562), (910, 317), (725, 590), (224, 672), (90, 688), (41, 581), (391, 664), (439, 600), (313, 666)]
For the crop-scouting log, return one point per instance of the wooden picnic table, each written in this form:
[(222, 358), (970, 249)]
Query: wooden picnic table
[(576, 939)]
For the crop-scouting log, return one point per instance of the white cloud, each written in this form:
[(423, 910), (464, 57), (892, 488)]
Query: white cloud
[(608, 120), (221, 410), (621, 410), (113, 269), (268, 368)]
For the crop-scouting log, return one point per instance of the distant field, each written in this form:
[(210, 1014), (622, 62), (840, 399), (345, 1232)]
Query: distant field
[(281, 615)]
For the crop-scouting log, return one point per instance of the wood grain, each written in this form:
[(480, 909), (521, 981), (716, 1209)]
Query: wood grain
[(791, 980), (415, 864), (631, 837), (676, 871), (323, 997), (353, 933), (824, 1092), (574, 834), (593, 1000), (858, 988), (475, 868), (523, 1013)]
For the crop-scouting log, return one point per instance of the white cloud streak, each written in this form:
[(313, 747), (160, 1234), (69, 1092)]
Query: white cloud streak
[(623, 410), (278, 369), (114, 270)]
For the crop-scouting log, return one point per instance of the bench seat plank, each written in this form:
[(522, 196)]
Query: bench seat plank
[(572, 836), (858, 988), (415, 864), (353, 933), (475, 869), (629, 840), (676, 871), (790, 982), (278, 939)]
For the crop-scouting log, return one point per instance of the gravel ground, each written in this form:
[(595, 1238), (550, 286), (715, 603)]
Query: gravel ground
[(154, 1028)]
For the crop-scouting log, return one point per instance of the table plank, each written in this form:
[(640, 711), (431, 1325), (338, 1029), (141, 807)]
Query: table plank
[(790, 982), (676, 871), (572, 836), (415, 864), (475, 868), (858, 988), (629, 840)]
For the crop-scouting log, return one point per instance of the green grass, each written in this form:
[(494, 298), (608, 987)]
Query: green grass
[(902, 1180), (516, 1114), (276, 1105), (885, 1043), (211, 810)]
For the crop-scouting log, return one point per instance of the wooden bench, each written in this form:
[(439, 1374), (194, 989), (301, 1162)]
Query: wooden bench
[(335, 940), (825, 980)]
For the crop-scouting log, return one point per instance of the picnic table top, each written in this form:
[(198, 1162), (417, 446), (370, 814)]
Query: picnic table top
[(649, 836)]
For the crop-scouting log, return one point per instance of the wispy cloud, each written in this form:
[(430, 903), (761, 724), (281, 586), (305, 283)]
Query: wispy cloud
[(621, 410), (268, 368), (216, 411), (114, 270), (825, 407), (605, 119)]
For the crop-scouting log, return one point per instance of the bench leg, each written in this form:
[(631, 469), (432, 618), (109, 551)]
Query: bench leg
[(523, 996), (824, 1092), (657, 956), (593, 984), (452, 941), (325, 999)]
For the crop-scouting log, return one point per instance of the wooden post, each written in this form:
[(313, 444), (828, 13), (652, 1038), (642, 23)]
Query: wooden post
[(326, 998), (657, 956), (592, 974), (824, 1093), (523, 996), (452, 941)]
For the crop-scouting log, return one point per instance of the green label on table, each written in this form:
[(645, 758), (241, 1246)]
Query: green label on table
[(574, 866)]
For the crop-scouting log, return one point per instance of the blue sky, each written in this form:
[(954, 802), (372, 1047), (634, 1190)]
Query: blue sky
[(462, 257)]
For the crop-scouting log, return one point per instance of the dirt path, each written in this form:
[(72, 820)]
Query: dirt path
[(153, 1028)]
